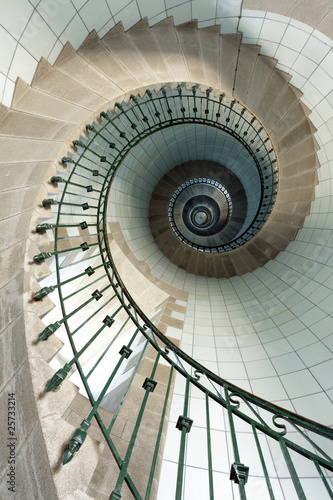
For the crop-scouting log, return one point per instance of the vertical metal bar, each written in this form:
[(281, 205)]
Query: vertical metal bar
[(92, 315), (169, 110), (263, 464), (105, 388), (159, 435), (84, 287), (124, 467), (241, 483), (180, 475), (327, 486), (209, 450), (232, 425), (107, 348), (157, 113), (85, 347), (129, 383), (84, 304), (124, 113), (292, 470)]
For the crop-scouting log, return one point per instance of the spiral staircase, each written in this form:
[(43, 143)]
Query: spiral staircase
[(109, 378)]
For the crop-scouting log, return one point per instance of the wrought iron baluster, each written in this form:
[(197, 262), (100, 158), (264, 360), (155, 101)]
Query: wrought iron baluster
[(209, 449), (184, 424), (239, 472), (149, 386), (263, 463), (159, 435), (292, 470)]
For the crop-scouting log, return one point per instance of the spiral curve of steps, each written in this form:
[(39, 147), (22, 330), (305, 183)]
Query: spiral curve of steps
[(46, 116)]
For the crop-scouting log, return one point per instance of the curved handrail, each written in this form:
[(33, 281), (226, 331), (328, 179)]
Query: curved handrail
[(221, 391)]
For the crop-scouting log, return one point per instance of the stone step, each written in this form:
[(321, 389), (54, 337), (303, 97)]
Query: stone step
[(51, 408), (278, 233), (296, 135), (143, 40), (275, 87), (295, 114), (52, 81), (71, 64), (21, 88), (299, 151), (282, 106), (262, 72), (300, 167), (168, 43), (247, 259), (229, 50), (96, 53), (4, 110), (124, 50), (209, 40), (27, 125), (244, 74), (189, 42), (33, 101)]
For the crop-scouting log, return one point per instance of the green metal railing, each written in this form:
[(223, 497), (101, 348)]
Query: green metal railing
[(97, 311)]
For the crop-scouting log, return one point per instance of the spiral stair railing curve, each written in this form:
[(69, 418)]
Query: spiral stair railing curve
[(89, 177)]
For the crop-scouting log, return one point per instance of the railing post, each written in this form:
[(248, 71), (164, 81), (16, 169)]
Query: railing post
[(184, 424), (239, 472), (149, 386)]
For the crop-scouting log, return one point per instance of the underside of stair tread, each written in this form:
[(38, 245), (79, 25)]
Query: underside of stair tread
[(229, 50), (296, 135), (189, 41), (167, 41), (144, 41), (53, 82), (210, 46), (245, 68), (299, 151), (20, 89), (4, 110), (275, 86), (43, 68), (291, 119), (70, 63), (97, 54), (117, 29), (298, 167), (127, 54), (143, 24), (263, 69), (39, 103), (20, 124), (280, 108)]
